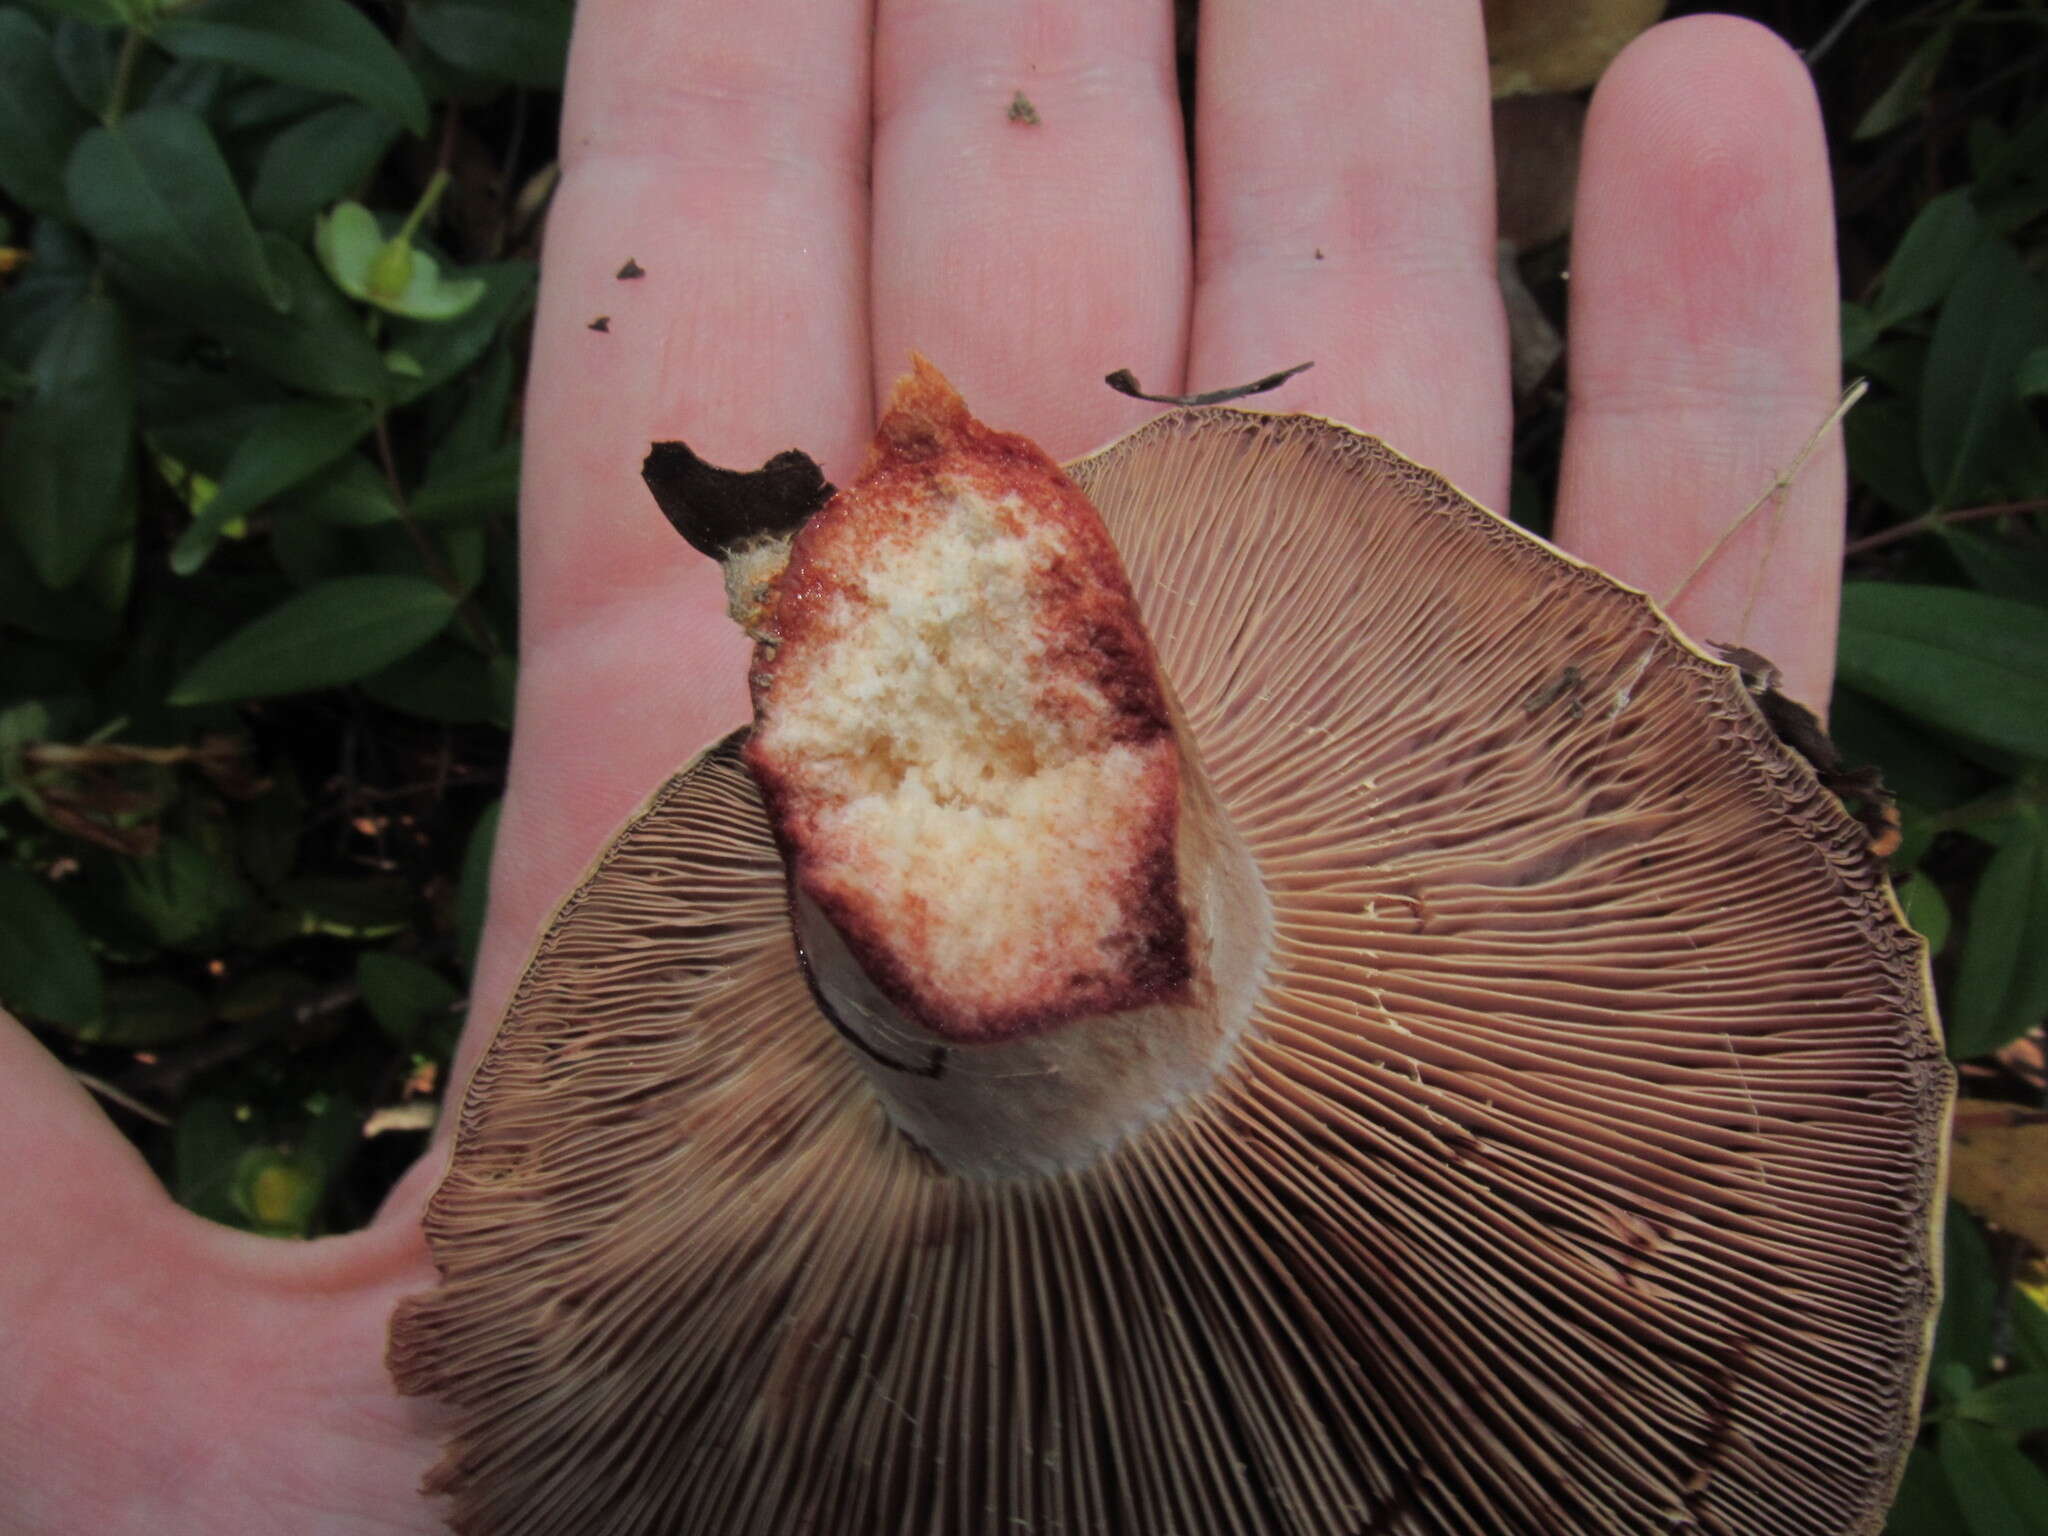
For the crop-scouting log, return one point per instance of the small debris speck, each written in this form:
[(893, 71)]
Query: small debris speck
[(1319, 253), (601, 323), (1021, 110), (630, 270)]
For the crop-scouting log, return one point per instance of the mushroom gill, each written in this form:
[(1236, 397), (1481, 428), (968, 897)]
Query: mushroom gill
[(1574, 1171)]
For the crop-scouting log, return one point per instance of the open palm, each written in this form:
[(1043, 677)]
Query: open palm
[(814, 190)]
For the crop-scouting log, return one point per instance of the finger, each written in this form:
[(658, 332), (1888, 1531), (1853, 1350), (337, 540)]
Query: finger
[(1703, 341), (731, 167), (1028, 259), (75, 1176), (1345, 207)]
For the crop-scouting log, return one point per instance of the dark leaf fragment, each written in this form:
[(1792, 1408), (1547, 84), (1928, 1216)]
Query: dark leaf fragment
[(1124, 382), (1861, 789), (718, 510)]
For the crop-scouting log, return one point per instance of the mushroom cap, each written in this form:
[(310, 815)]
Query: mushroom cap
[(1578, 1172)]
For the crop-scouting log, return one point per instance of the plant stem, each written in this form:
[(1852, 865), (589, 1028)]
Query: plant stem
[(127, 1101), (436, 185), (2027, 794), (466, 609), (1933, 520), (124, 77)]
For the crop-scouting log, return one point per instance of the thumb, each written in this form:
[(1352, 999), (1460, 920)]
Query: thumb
[(72, 1176)]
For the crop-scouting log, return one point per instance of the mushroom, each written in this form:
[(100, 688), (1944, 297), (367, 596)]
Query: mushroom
[(1471, 1076)]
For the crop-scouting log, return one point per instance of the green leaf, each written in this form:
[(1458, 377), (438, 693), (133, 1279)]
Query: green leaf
[(158, 196), (47, 969), (181, 894), (472, 492), (264, 994), (2018, 1403), (481, 419), (429, 293), (367, 908), (2002, 986), (1918, 765), (85, 58), (323, 45), (1974, 665), (318, 346), (1859, 330), (1970, 407), (443, 681), (277, 1193), (1884, 456), (347, 239), (101, 13), (445, 349), (65, 466), (333, 633), (333, 1131), (190, 84), (1930, 257), (504, 687), (350, 495), (392, 273), (147, 1010), (1926, 1506), (294, 444), (472, 895), (524, 42), (2003, 1492), (413, 1003), (2034, 374), (1897, 360), (1907, 93), (2003, 568), (1970, 1295), (1927, 910), (206, 1145), (39, 118), (318, 160), (2030, 1327)]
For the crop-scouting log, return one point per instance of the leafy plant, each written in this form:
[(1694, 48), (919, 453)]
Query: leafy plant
[(260, 348), (1943, 676)]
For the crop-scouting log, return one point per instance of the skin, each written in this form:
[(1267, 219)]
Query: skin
[(157, 1372)]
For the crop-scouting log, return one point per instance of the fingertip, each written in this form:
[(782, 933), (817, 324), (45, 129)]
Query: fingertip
[(1705, 152), (1705, 342)]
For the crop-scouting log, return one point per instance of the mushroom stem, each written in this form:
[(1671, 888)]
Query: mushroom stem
[(1014, 891), (1060, 1099)]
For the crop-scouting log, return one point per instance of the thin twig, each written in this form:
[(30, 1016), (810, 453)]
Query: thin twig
[(170, 1075), (113, 1095), (515, 144), (57, 754), (465, 606), (1774, 492), (1930, 521), (1833, 35), (124, 78)]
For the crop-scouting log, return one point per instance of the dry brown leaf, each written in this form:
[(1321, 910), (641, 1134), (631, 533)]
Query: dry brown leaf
[(1999, 1168), (1559, 45)]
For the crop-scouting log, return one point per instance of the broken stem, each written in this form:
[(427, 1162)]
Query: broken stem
[(1773, 493), (1930, 521)]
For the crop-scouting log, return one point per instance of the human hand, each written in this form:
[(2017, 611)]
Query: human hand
[(809, 205)]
